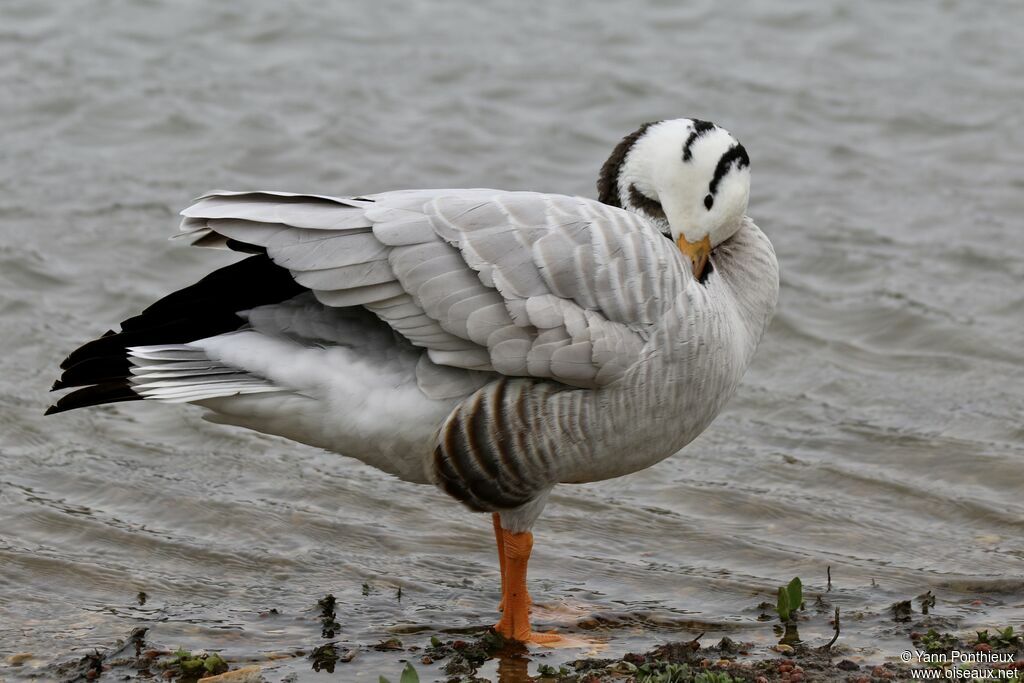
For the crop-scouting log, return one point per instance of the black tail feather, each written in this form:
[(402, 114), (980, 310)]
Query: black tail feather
[(207, 308)]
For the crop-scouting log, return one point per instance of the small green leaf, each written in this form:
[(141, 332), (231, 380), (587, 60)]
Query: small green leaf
[(782, 606), (383, 680), (409, 675), (796, 594)]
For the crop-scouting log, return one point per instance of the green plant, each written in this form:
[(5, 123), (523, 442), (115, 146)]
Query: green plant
[(660, 672), (790, 600), (936, 642), (1004, 638), (663, 672), (714, 677), (548, 671), (194, 666), (324, 658), (409, 675)]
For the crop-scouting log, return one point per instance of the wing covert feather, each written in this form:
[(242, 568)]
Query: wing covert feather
[(518, 283)]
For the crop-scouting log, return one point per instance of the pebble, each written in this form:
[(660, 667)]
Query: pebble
[(274, 656), (782, 647), (247, 674), (19, 659), (882, 672)]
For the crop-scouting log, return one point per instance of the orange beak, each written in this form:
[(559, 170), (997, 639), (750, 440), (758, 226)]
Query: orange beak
[(697, 252)]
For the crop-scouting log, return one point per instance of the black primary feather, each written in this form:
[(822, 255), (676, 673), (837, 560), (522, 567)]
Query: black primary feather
[(207, 308)]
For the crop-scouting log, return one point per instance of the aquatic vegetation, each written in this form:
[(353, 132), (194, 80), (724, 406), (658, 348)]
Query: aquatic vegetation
[(902, 611), (1005, 638), (329, 625), (195, 666), (464, 657), (548, 671), (935, 642), (927, 601), (325, 657), (790, 600), (714, 677), (664, 672), (409, 675)]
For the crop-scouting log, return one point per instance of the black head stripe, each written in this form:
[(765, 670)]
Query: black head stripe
[(641, 201), (737, 154), (608, 180), (699, 128)]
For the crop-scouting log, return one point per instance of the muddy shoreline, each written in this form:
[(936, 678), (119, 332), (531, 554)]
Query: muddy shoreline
[(933, 641)]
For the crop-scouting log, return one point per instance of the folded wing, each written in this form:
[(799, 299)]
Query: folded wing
[(520, 283)]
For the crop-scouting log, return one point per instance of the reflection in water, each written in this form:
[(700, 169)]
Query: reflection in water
[(513, 666)]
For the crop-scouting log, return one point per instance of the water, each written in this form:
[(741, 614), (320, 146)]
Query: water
[(878, 432)]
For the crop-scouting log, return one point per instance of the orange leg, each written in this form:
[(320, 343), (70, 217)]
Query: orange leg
[(515, 619), (499, 538)]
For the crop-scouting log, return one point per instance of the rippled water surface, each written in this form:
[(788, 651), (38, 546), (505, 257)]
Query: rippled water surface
[(878, 432)]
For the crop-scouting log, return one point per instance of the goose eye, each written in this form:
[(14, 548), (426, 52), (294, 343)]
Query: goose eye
[(709, 201)]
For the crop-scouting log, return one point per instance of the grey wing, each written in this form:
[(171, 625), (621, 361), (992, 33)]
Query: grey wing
[(518, 283)]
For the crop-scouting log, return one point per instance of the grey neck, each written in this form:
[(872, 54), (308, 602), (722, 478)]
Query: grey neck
[(690, 367)]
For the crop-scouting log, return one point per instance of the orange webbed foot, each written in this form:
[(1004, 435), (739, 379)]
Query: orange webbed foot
[(550, 639), (530, 637)]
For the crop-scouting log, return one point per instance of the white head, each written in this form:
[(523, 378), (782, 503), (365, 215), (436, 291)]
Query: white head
[(690, 177)]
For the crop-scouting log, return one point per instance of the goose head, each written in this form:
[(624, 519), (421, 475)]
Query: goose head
[(689, 177)]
